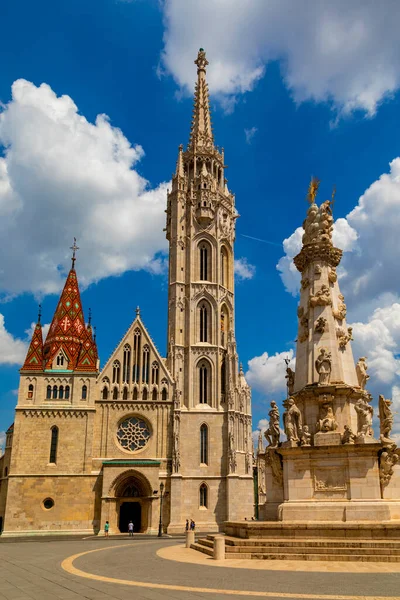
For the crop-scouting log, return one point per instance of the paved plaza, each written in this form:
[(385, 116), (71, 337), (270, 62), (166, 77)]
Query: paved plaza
[(153, 569)]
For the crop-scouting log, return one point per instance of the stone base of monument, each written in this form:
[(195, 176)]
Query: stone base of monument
[(329, 438), (360, 541)]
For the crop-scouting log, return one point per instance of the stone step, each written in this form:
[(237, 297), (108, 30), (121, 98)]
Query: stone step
[(204, 549), (321, 543), (231, 550), (316, 556)]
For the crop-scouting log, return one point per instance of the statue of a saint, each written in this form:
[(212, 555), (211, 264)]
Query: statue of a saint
[(364, 421), (327, 421), (292, 420), (323, 366), (361, 370), (272, 434), (305, 438), (385, 418), (348, 436), (290, 380)]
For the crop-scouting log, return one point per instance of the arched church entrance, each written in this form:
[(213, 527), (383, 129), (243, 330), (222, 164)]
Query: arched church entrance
[(132, 493)]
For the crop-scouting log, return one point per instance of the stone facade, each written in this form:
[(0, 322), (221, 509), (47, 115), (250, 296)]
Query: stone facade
[(89, 447)]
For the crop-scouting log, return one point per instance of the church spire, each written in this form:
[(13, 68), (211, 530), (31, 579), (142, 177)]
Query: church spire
[(34, 357), (201, 135)]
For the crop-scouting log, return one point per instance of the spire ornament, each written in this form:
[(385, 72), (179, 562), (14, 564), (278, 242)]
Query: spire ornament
[(201, 135), (39, 313), (313, 189), (74, 248)]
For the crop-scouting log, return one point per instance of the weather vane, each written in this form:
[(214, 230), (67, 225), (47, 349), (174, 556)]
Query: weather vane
[(74, 248)]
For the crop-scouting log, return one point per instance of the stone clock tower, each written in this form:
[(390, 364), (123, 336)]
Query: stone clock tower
[(212, 412)]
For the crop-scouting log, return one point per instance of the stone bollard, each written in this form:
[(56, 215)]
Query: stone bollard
[(219, 548), (189, 538)]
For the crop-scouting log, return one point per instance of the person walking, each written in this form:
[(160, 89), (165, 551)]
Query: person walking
[(192, 525), (106, 528), (130, 529), (187, 525)]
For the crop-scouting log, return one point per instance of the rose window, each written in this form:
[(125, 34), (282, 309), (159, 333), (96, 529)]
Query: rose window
[(133, 434)]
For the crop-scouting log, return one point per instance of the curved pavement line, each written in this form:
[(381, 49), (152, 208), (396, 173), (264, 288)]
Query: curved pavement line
[(68, 566)]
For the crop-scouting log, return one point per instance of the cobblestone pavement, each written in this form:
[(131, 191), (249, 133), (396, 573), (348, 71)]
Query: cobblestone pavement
[(44, 570)]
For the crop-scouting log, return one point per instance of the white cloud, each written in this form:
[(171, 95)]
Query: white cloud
[(243, 269), (267, 373), (347, 53), (12, 350), (249, 134), (2, 442), (62, 176)]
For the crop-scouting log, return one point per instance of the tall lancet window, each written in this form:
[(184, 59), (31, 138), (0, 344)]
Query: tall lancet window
[(204, 374), (146, 358), (203, 322), (116, 371), (155, 373), (126, 365), (205, 261), (53, 444), (204, 444), (224, 267), (136, 355), (223, 379)]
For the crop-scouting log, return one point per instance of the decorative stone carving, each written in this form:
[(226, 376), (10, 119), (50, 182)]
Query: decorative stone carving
[(300, 311), (303, 334), (361, 370), (343, 337), (232, 453), (261, 478), (290, 375), (273, 433), (305, 283), (387, 460), (323, 366), (386, 419), (318, 225), (327, 421), (274, 460), (330, 480), (292, 420), (176, 457), (332, 275), (364, 418), (322, 297), (320, 325), (317, 270), (248, 462), (305, 438), (348, 436), (260, 446), (340, 312)]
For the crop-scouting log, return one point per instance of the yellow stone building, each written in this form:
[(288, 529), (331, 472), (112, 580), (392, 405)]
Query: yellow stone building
[(145, 433)]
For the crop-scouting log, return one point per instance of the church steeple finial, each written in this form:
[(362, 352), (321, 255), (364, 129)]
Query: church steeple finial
[(201, 135), (39, 313), (74, 248)]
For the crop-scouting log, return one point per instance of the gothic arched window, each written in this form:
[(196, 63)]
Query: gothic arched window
[(204, 370), (60, 360), (154, 394), (203, 322), (136, 355), (61, 392), (125, 393), (84, 392), (67, 392), (144, 394), (164, 394), (105, 393), (116, 371), (154, 373), (224, 267), (53, 444), (115, 393), (205, 261), (30, 390), (126, 365), (54, 392), (224, 325), (145, 368), (204, 444), (223, 378), (48, 392), (203, 496), (135, 393)]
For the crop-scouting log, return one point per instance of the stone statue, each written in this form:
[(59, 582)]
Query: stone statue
[(332, 275), (232, 453), (387, 460), (273, 433), (344, 337), (322, 297), (364, 418), (341, 311), (348, 436), (290, 375), (176, 460), (320, 325), (305, 438), (274, 460), (323, 366), (385, 418), (292, 420), (361, 370), (327, 421)]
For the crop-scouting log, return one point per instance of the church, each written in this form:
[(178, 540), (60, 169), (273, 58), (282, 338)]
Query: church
[(156, 440)]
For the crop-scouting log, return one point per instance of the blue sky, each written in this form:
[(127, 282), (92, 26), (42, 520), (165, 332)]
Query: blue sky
[(316, 97)]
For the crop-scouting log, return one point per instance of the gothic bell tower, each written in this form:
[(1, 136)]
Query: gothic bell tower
[(212, 447)]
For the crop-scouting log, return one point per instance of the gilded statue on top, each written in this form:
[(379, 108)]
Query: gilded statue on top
[(318, 225)]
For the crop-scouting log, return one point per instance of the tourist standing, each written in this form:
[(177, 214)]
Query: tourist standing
[(187, 525), (130, 529), (106, 528)]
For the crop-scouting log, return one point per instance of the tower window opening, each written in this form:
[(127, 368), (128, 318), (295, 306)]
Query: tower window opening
[(116, 371), (223, 378), (54, 392), (155, 373), (203, 383), (204, 444), (48, 392), (203, 323), (164, 394), (125, 394), (205, 262), (60, 360), (53, 444), (105, 393), (67, 392), (84, 392), (115, 393), (203, 496), (61, 392), (144, 394), (154, 394), (30, 391), (145, 369), (126, 365), (136, 355)]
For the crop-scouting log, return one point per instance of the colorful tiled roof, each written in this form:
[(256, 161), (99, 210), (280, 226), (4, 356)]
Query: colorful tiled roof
[(34, 357)]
